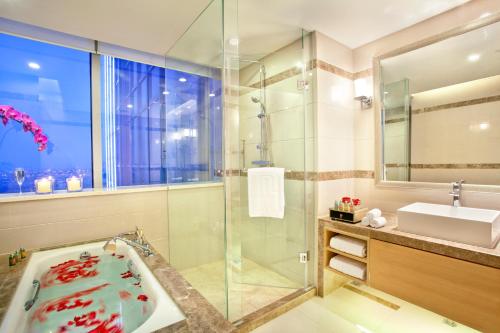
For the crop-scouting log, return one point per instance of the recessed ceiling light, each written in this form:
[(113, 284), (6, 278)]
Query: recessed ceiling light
[(473, 57), (386, 93), (211, 95), (130, 106), (182, 79), (166, 92), (33, 65)]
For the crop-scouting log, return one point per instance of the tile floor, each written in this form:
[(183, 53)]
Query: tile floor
[(249, 290), (346, 311)]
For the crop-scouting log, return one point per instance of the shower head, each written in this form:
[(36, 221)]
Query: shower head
[(258, 101)]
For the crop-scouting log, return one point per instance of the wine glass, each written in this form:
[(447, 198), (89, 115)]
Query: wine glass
[(20, 175)]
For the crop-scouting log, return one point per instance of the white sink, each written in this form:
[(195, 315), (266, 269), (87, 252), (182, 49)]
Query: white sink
[(467, 225)]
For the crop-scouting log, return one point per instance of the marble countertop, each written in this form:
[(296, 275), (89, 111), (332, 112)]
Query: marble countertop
[(201, 316), (389, 233)]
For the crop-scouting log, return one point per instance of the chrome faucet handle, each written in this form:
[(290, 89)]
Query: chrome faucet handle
[(139, 235), (457, 185)]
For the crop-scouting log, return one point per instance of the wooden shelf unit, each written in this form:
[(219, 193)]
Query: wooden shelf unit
[(329, 253)]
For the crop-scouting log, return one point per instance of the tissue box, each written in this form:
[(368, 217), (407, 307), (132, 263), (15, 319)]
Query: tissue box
[(349, 217)]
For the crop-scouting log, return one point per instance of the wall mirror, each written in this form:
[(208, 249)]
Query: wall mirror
[(439, 103)]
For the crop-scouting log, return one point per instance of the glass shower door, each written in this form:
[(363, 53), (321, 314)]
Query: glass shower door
[(272, 128)]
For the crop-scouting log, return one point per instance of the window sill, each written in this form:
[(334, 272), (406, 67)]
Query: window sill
[(62, 194)]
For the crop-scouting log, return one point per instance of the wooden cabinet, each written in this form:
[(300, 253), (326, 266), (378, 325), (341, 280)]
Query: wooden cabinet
[(329, 253), (462, 291)]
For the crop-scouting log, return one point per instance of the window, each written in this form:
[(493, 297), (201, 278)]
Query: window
[(133, 123), (51, 84), (159, 125), (194, 127)]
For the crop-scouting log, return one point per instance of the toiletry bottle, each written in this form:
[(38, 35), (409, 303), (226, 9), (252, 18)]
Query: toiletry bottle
[(12, 260), (336, 206), (17, 257), (23, 253)]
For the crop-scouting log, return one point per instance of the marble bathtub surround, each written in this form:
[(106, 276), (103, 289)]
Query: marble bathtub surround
[(201, 316), (389, 233)]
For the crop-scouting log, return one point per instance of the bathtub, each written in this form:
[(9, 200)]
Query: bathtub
[(90, 277)]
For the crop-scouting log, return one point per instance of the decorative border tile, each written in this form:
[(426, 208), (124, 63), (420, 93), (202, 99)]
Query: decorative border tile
[(372, 297), (364, 73), (273, 310), (314, 63), (332, 69), (446, 166), (476, 101), (314, 176)]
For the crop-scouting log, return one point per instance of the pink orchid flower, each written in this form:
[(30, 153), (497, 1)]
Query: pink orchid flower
[(8, 112), (14, 114)]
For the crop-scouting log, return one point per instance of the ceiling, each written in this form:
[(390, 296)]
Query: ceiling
[(267, 24), (426, 68), (264, 25), (121, 22)]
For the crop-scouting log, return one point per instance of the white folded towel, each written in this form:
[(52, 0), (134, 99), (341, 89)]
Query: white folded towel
[(349, 266), (378, 222), (266, 192), (349, 245)]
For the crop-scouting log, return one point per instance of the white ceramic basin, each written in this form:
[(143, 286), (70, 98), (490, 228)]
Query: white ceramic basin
[(467, 225)]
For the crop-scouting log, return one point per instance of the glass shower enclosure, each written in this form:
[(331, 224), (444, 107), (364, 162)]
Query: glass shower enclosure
[(261, 108)]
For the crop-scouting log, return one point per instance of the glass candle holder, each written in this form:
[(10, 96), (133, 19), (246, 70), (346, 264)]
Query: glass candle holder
[(44, 185), (74, 184)]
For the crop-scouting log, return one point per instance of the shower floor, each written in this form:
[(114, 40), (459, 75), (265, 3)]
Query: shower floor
[(248, 290)]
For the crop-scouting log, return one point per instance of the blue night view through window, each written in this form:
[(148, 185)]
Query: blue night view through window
[(159, 125), (52, 85)]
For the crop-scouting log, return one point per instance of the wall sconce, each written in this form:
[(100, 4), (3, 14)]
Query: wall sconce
[(363, 92)]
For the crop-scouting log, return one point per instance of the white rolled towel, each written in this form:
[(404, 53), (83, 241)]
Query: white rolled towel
[(365, 221), (349, 245), (378, 222), (349, 266), (374, 213)]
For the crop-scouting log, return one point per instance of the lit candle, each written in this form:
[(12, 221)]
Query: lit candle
[(43, 185), (74, 184)]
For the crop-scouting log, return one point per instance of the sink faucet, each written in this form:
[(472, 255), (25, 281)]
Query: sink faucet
[(139, 242), (457, 192)]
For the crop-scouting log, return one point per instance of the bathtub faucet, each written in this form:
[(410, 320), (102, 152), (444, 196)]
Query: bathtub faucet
[(139, 242)]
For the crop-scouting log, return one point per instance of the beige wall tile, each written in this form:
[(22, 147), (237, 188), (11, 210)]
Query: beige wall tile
[(333, 52), (335, 154), (329, 191)]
